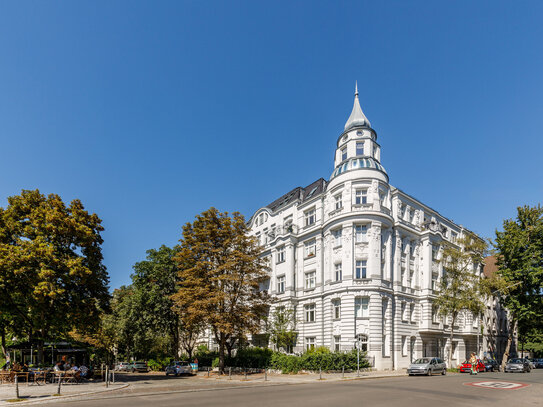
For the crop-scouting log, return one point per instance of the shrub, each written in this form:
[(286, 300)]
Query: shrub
[(320, 358)]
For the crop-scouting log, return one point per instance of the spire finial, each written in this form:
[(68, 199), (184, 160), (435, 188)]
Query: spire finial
[(357, 117)]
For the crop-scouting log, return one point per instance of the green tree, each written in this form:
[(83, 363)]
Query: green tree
[(520, 264), (460, 288), (282, 328), (220, 271), (154, 282), (51, 274)]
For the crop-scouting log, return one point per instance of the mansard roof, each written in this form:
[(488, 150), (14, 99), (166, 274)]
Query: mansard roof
[(299, 194)]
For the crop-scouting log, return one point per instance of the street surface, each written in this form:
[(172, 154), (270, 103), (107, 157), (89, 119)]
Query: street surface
[(450, 390)]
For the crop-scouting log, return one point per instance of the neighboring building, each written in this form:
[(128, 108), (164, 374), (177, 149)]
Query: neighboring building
[(358, 258)]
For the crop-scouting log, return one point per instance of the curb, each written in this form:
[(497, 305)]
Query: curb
[(52, 399)]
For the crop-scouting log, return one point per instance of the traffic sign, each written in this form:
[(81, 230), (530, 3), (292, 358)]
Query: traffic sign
[(498, 385)]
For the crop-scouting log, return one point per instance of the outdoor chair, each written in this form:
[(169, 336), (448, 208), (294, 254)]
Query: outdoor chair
[(5, 376)]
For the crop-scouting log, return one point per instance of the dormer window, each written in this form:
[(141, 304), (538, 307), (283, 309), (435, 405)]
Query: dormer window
[(343, 153), (359, 133), (359, 148)]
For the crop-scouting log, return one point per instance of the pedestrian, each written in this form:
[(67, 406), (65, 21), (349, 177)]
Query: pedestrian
[(473, 362)]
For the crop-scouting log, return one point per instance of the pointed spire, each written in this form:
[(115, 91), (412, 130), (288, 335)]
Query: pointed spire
[(357, 117)]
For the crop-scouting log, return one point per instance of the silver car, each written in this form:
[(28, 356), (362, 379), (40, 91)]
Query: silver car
[(427, 366), (517, 365), (122, 366), (179, 368)]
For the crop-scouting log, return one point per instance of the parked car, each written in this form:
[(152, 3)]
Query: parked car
[(179, 368), (140, 367), (517, 365), (465, 367), (491, 365), (427, 366), (538, 363), (122, 366)]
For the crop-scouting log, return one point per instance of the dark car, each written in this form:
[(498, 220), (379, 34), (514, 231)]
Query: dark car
[(140, 367), (538, 363), (491, 365)]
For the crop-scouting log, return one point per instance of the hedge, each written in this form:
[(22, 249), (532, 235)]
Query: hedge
[(313, 360), (253, 357)]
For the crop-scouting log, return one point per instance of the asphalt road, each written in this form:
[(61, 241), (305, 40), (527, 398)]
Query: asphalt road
[(450, 390)]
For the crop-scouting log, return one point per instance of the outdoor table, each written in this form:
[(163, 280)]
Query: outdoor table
[(23, 375), (5, 376), (40, 376)]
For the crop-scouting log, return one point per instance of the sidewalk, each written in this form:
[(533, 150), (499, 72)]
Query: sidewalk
[(45, 392)]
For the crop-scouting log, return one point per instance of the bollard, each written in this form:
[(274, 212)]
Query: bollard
[(245, 370), (113, 376), (343, 372), (59, 382), (208, 372), (107, 376), (229, 373), (320, 373), (16, 386), (266, 375)]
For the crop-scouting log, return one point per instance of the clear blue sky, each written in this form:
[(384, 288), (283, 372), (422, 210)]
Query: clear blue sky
[(151, 112)]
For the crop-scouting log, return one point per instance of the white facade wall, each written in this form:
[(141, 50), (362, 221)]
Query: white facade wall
[(400, 249)]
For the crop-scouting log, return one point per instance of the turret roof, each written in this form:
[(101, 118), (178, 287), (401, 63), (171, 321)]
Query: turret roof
[(357, 117)]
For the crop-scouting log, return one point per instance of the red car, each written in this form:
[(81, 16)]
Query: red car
[(466, 367)]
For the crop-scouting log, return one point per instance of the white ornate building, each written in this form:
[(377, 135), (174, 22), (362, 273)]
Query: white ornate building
[(356, 258)]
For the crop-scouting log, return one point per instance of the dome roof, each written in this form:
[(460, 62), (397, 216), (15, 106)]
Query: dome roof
[(357, 117), (358, 163)]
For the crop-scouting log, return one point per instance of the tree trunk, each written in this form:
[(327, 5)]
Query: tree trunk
[(449, 364), (3, 336), (508, 346), (222, 346)]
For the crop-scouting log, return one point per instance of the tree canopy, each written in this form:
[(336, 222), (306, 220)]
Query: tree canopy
[(520, 265), (220, 271), (51, 274), (460, 288)]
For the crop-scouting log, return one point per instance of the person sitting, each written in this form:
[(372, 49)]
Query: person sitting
[(84, 371), (25, 367), (58, 367)]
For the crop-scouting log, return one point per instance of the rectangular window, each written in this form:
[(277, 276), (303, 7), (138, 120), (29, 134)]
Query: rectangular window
[(310, 217), (361, 233), (280, 284), (309, 343), (337, 237), (361, 307), (360, 269), (403, 208), (404, 346), (310, 313), (336, 309), (338, 272), (382, 197), (412, 312), (280, 254), (338, 202), (453, 237), (310, 280), (359, 148), (361, 197), (343, 153), (337, 343), (310, 248), (434, 281), (404, 313), (435, 316)]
